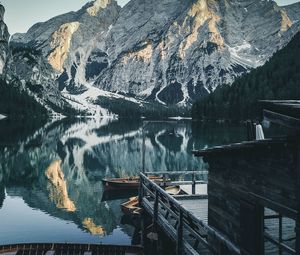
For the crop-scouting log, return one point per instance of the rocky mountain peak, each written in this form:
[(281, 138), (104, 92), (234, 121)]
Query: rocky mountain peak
[(200, 15), (167, 51), (98, 5)]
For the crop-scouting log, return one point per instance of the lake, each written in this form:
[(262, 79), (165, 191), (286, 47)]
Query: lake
[(50, 174)]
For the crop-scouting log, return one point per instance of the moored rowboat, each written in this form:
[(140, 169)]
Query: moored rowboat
[(130, 206), (85, 249), (173, 190), (126, 183)]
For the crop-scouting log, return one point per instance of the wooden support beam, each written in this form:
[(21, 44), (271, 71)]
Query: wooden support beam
[(143, 229), (185, 182), (251, 228), (179, 248), (155, 218), (193, 184)]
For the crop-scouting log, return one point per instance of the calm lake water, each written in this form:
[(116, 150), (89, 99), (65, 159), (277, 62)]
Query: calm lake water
[(50, 176)]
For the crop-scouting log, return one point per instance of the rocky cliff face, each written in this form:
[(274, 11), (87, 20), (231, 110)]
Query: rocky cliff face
[(54, 55), (4, 36), (70, 41), (177, 51), (293, 11), (169, 51)]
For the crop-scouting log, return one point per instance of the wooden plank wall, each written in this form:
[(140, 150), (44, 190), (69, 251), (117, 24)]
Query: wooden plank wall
[(269, 172)]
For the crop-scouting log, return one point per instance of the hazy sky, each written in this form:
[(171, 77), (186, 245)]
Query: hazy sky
[(22, 14)]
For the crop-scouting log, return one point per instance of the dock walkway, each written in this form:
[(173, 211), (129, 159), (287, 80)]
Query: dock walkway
[(198, 206), (183, 218)]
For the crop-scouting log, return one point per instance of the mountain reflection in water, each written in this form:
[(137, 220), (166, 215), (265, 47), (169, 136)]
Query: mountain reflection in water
[(50, 177)]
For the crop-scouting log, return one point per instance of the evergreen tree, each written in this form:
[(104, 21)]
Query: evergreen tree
[(278, 79), (16, 103)]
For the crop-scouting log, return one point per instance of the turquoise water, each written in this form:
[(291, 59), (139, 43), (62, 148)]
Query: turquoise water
[(50, 176)]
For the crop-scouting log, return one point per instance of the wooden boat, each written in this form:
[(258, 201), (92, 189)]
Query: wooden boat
[(85, 249), (126, 183), (130, 206), (173, 190)]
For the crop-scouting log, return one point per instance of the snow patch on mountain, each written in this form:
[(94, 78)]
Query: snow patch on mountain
[(240, 55), (86, 102)]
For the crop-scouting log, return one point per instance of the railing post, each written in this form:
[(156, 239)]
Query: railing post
[(155, 218), (164, 181), (280, 233), (143, 229), (194, 184), (141, 191), (143, 151), (142, 216), (179, 248)]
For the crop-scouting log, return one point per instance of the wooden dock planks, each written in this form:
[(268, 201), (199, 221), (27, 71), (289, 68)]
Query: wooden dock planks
[(199, 208)]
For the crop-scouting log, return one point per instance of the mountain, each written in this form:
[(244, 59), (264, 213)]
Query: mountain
[(4, 36), (278, 79), (14, 101), (172, 52), (177, 51), (38, 57), (293, 11)]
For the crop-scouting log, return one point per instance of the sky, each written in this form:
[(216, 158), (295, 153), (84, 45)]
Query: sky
[(20, 15)]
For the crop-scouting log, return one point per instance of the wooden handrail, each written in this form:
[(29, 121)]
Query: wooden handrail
[(178, 173), (150, 191), (280, 244)]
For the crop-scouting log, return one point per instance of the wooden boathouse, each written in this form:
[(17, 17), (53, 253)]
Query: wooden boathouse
[(253, 196)]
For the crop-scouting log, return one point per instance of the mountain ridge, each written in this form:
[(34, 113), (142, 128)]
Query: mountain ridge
[(170, 52), (278, 79)]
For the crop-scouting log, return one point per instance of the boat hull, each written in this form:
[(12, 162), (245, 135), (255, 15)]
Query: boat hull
[(49, 248), (126, 183)]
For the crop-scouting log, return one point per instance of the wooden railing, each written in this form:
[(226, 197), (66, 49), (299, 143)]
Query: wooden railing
[(190, 233), (193, 174)]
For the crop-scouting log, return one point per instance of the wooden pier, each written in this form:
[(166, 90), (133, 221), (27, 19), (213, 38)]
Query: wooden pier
[(252, 206), (183, 218)]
